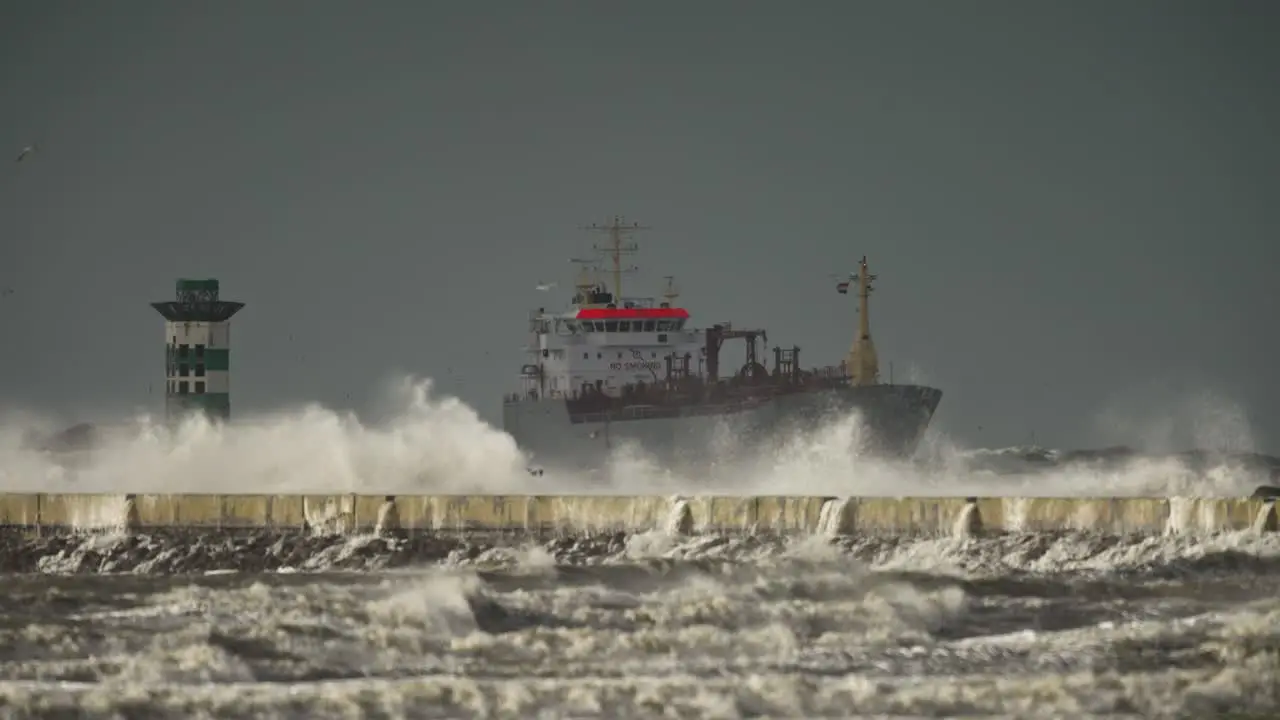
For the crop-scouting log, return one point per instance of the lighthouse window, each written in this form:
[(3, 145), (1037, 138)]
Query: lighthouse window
[(200, 387)]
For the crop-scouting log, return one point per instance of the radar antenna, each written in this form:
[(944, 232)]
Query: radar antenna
[(670, 292), (586, 281), (618, 231)]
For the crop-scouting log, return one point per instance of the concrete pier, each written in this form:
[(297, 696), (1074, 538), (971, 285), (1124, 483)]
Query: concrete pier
[(350, 513)]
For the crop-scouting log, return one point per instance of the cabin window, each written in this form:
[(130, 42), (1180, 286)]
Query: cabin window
[(648, 326), (571, 326), (653, 354), (662, 338), (664, 325), (619, 356), (599, 325), (200, 387), (611, 326), (586, 355), (624, 326), (599, 355), (200, 370)]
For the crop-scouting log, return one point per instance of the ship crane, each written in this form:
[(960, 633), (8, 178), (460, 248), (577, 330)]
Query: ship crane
[(752, 370)]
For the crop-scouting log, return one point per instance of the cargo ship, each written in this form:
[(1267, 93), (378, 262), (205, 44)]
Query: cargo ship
[(613, 370)]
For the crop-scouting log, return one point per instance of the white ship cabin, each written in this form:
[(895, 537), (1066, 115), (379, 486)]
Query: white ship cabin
[(603, 346)]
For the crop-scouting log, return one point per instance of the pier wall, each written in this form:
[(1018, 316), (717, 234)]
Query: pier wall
[(600, 513)]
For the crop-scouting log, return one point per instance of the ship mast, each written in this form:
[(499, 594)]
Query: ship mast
[(618, 233), (862, 362)]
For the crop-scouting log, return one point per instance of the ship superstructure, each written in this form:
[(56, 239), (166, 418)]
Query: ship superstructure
[(614, 368)]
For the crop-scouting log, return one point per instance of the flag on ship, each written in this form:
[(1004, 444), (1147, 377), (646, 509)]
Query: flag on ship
[(843, 288)]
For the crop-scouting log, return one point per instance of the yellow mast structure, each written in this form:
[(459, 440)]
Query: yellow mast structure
[(618, 232), (862, 363)]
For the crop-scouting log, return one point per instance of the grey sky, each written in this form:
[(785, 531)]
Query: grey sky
[(1072, 207)]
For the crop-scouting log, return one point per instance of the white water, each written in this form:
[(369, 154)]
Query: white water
[(439, 444), (1019, 625), (1014, 626)]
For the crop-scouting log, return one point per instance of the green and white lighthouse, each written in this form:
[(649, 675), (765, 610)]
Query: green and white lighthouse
[(197, 350)]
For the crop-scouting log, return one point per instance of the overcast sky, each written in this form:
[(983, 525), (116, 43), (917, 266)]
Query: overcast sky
[(1073, 207)]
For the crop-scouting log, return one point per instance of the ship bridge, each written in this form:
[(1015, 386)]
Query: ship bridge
[(627, 319), (607, 343), (607, 347)]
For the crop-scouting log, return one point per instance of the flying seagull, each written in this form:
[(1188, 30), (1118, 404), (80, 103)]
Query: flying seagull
[(545, 286), (24, 152)]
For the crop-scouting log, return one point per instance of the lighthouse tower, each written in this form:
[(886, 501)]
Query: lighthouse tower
[(197, 357)]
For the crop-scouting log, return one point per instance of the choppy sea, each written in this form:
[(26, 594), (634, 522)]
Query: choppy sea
[(639, 625)]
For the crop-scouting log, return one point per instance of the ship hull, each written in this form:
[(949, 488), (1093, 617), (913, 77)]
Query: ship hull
[(893, 421)]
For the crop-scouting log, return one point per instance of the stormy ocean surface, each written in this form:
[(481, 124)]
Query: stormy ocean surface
[(623, 625)]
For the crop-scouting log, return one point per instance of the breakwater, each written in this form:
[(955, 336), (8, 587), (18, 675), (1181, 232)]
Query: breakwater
[(354, 513)]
